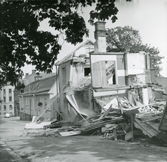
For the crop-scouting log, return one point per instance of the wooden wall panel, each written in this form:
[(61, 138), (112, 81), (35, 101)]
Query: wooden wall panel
[(99, 74)]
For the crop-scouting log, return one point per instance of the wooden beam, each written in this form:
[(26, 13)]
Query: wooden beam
[(159, 117), (108, 93)]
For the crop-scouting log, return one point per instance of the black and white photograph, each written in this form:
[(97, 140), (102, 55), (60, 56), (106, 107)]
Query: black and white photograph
[(83, 80)]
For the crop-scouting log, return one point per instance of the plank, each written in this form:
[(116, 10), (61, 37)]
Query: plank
[(99, 74), (69, 133), (151, 119), (47, 107), (163, 122), (108, 93), (146, 128)]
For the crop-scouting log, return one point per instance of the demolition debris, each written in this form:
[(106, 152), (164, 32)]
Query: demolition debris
[(119, 119)]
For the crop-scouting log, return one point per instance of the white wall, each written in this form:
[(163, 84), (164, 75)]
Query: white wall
[(9, 104)]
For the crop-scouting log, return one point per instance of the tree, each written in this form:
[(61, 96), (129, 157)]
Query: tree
[(22, 43), (122, 38), (127, 39)]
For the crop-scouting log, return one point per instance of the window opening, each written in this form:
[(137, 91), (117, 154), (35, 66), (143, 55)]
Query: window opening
[(86, 71)]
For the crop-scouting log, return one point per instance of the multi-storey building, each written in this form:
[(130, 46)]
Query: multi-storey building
[(7, 100)]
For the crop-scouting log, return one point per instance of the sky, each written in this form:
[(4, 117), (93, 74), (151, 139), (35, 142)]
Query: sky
[(149, 17)]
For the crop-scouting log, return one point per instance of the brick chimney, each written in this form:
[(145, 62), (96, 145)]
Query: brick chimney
[(100, 36)]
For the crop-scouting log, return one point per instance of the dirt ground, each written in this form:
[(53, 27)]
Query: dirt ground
[(53, 148)]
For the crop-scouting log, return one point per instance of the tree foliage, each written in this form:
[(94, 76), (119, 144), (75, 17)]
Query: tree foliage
[(21, 42), (122, 38), (127, 39)]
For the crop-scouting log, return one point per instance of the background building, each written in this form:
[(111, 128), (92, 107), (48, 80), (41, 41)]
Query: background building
[(36, 97), (7, 100), (28, 79)]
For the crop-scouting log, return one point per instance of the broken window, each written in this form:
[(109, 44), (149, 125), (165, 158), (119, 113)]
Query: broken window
[(110, 72), (86, 71), (103, 70)]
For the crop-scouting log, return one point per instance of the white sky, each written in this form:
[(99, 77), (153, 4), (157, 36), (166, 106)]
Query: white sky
[(147, 16)]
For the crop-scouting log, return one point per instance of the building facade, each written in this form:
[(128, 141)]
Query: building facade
[(7, 100), (36, 97), (28, 79)]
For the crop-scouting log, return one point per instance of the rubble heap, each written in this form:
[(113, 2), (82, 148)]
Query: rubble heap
[(119, 119)]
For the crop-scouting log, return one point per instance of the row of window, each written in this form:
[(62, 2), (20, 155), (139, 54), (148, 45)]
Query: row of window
[(4, 91), (11, 113), (4, 107), (4, 98)]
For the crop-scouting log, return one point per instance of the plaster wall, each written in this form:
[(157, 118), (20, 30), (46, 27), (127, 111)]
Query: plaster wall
[(135, 63), (64, 75), (7, 100), (77, 72)]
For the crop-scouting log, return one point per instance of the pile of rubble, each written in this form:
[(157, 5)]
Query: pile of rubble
[(119, 119)]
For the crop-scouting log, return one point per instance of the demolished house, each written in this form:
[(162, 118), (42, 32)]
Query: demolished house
[(106, 92), (75, 84)]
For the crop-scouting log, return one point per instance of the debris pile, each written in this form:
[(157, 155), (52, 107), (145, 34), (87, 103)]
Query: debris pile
[(119, 119), (151, 110), (148, 119), (83, 84)]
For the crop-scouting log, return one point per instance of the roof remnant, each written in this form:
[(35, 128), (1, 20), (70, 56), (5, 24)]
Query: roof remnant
[(72, 54)]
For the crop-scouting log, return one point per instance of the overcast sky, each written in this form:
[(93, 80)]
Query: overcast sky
[(147, 16)]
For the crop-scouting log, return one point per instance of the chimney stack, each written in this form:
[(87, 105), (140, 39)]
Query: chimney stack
[(100, 36)]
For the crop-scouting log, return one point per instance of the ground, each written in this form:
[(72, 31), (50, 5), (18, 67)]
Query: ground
[(53, 148)]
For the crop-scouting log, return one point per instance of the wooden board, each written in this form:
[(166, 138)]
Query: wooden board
[(99, 74), (69, 133), (108, 93), (163, 122), (146, 128)]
